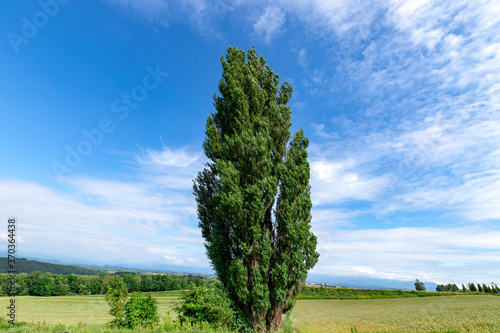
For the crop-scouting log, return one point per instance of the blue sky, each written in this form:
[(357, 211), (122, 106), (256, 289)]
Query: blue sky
[(103, 106)]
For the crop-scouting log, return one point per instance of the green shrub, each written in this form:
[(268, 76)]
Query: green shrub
[(202, 304), (116, 296), (141, 310)]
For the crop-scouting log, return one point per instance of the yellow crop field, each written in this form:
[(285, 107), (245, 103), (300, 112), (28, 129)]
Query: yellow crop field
[(424, 314)]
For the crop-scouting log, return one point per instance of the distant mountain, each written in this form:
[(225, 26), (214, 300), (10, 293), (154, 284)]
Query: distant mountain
[(56, 267), (28, 266), (50, 261), (165, 269), (154, 268), (366, 282)]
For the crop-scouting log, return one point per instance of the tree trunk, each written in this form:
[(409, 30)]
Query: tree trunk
[(257, 321), (274, 318)]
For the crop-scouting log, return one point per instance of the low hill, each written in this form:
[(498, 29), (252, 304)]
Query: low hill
[(29, 266)]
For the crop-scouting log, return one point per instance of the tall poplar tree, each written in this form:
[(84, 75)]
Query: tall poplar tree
[(253, 197)]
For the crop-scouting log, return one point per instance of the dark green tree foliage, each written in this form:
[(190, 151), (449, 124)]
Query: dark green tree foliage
[(116, 296), (202, 304), (133, 281), (46, 284), (448, 287), (141, 310), (472, 287), (479, 288), (420, 286), (254, 196)]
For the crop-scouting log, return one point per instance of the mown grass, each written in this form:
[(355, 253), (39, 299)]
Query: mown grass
[(467, 314), (88, 309)]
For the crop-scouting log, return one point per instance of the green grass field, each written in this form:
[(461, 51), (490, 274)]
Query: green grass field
[(422, 314), (90, 309)]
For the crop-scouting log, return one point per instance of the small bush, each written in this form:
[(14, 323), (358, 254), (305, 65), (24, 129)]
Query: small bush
[(116, 296), (141, 310), (202, 304)]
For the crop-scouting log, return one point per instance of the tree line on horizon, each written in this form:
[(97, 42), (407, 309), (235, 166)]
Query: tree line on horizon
[(492, 289), (48, 284)]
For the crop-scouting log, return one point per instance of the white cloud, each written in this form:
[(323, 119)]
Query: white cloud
[(270, 23), (153, 10), (335, 182), (331, 218), (320, 131), (456, 255), (302, 58), (202, 15), (112, 220), (167, 157), (476, 199)]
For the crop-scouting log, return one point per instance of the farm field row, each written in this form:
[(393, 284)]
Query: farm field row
[(423, 314)]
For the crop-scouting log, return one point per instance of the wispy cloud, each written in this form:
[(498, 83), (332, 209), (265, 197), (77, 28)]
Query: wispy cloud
[(202, 15), (168, 158), (335, 182), (270, 23), (302, 58), (429, 72), (153, 10)]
